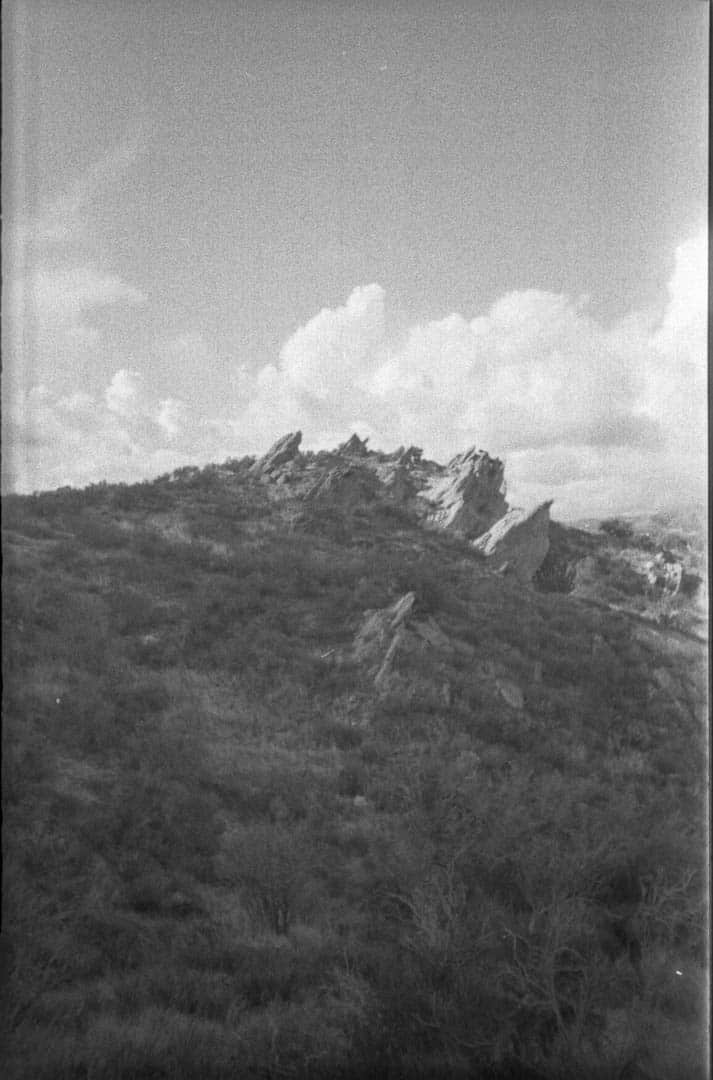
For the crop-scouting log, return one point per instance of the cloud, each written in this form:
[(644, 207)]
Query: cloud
[(675, 394), (52, 330), (536, 370), (172, 416), (602, 418), (125, 433), (56, 295), (62, 299), (62, 220), (614, 412), (335, 346), (123, 394)]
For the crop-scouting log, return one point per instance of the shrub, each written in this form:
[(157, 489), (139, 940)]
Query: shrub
[(334, 733), (352, 779), (556, 574), (273, 865), (101, 534), (137, 699), (622, 530), (374, 751)]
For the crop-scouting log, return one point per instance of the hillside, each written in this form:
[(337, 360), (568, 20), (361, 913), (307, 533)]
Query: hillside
[(334, 765)]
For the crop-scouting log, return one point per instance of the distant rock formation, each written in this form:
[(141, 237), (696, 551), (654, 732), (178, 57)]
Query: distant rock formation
[(284, 450), (355, 446), (345, 485), (465, 497), (518, 542)]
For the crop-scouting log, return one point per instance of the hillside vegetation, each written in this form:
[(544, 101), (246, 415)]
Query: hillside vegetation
[(240, 840)]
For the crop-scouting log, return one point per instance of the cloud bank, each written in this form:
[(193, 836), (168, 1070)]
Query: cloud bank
[(602, 418), (598, 417)]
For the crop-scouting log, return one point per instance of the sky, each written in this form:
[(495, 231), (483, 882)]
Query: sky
[(443, 224)]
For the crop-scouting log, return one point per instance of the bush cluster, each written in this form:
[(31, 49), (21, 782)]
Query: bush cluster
[(226, 853)]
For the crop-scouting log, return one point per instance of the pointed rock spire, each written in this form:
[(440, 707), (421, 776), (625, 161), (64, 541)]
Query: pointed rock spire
[(284, 450)]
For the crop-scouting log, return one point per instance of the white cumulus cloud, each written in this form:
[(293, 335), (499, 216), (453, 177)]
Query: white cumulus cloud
[(609, 413), (601, 418), (123, 395)]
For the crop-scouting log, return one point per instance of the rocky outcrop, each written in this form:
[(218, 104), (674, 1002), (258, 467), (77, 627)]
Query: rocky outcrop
[(354, 447), (283, 451), (664, 573), (380, 626), (412, 456), (391, 631), (518, 542), (468, 496), (345, 486), (395, 642), (465, 497)]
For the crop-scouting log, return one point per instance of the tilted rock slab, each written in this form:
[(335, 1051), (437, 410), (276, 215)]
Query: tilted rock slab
[(465, 497), (520, 539), (283, 451), (468, 496), (389, 631)]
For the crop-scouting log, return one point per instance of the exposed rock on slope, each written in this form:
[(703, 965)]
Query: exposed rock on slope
[(394, 630), (394, 645), (284, 450), (355, 446), (345, 485), (467, 496), (518, 542)]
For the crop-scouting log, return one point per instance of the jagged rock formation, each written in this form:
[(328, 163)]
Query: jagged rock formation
[(396, 629), (395, 641), (518, 543), (468, 496), (284, 450), (345, 485), (355, 446), (465, 497)]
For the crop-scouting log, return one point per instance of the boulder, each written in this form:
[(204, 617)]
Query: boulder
[(467, 497), (520, 539), (283, 451)]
